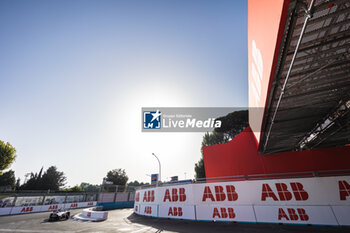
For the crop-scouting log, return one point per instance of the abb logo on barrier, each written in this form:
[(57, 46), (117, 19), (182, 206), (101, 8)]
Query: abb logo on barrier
[(224, 213), (292, 215), (344, 189), (175, 211), (148, 209), (27, 209), (177, 194), (53, 207), (90, 203), (137, 197), (136, 208), (220, 194), (73, 205), (283, 193), (148, 196)]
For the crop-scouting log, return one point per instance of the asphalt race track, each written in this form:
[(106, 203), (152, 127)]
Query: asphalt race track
[(124, 220)]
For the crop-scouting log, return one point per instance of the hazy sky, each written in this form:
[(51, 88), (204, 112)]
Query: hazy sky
[(75, 74)]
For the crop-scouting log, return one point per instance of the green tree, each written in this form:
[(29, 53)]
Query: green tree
[(199, 169), (213, 139), (18, 184), (86, 187), (136, 184), (231, 125), (34, 182), (117, 176), (51, 179), (8, 178), (7, 155), (75, 188)]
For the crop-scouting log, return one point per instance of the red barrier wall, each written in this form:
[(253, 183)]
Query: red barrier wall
[(240, 157)]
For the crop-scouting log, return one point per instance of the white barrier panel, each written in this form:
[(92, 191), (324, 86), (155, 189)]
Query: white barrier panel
[(149, 210), (305, 191), (226, 213), (5, 211), (51, 207), (25, 209), (137, 208), (295, 214), (44, 208), (342, 213), (299, 191), (148, 196), (179, 194), (72, 206), (89, 203), (91, 214), (298, 200), (95, 215), (137, 196), (177, 211), (219, 194), (79, 205)]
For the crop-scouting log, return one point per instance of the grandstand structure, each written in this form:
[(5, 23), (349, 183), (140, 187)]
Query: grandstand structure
[(309, 97), (299, 91)]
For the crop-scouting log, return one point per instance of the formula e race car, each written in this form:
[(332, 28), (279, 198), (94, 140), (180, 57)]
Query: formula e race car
[(60, 214)]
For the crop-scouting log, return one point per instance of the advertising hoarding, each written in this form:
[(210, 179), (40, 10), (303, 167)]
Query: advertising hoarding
[(316, 200)]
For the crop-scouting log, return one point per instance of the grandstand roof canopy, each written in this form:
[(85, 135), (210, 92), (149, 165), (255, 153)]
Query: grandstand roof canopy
[(313, 111)]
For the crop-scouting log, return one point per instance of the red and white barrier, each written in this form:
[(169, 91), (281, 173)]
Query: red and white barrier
[(92, 214), (51, 207), (318, 200), (44, 208), (25, 209), (77, 205), (296, 214), (149, 210), (137, 209), (181, 194), (177, 211), (243, 213)]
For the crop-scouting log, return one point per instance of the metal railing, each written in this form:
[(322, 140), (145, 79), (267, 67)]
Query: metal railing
[(286, 175), (12, 199)]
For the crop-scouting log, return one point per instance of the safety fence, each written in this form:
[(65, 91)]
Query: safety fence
[(43, 208), (324, 173), (32, 202), (43, 198), (314, 200), (110, 201), (115, 197)]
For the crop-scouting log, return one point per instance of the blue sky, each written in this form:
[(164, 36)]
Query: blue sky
[(75, 74)]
